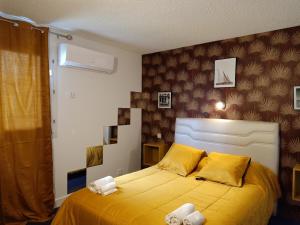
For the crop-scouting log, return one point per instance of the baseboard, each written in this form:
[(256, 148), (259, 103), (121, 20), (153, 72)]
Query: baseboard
[(60, 200)]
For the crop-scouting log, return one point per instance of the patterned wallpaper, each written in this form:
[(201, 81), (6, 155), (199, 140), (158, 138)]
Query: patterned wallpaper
[(268, 67), (123, 116)]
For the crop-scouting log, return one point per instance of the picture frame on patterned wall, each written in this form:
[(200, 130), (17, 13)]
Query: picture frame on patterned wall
[(164, 100), (225, 70), (297, 97)]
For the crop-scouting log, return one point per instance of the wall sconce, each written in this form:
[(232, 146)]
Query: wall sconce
[(220, 105)]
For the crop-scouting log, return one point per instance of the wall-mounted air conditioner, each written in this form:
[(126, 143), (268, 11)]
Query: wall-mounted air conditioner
[(75, 56)]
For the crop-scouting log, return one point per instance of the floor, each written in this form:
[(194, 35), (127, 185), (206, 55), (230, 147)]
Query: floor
[(273, 221), (280, 221), (44, 223)]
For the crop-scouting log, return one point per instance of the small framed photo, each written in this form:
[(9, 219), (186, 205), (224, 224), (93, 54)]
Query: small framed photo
[(164, 100), (297, 97), (225, 73)]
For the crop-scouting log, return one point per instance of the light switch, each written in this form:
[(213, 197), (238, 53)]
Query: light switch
[(71, 94), (158, 135)]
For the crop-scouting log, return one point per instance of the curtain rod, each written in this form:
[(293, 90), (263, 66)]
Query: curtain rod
[(11, 19), (66, 36)]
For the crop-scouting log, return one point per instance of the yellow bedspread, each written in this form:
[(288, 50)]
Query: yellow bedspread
[(146, 196)]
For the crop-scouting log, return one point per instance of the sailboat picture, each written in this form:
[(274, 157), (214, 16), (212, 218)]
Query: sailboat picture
[(225, 73)]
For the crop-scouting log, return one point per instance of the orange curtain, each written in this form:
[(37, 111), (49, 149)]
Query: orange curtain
[(26, 173)]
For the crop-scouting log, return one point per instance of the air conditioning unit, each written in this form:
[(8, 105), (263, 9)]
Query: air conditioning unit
[(78, 57)]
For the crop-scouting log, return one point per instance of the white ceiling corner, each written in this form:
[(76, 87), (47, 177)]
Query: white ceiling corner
[(149, 26)]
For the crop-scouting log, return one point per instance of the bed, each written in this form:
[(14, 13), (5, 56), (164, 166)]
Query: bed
[(145, 197)]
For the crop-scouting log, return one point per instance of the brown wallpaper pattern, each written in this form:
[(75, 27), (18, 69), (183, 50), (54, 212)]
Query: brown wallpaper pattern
[(268, 67), (123, 116)]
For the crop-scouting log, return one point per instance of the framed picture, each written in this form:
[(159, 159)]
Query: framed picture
[(225, 73), (297, 97), (164, 100)]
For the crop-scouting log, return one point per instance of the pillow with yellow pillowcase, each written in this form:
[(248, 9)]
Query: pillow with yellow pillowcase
[(224, 168), (202, 163), (181, 159)]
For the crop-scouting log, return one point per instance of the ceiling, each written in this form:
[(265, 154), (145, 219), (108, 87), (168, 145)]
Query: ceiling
[(149, 26)]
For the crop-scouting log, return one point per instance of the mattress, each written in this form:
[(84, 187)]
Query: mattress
[(147, 196)]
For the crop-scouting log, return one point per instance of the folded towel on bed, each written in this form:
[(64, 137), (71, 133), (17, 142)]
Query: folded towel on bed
[(176, 217), (195, 218), (97, 185), (109, 192), (107, 187), (92, 189)]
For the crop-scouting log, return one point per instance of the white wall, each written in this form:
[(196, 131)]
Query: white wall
[(80, 120)]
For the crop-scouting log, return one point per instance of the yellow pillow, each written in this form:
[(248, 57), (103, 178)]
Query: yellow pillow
[(202, 163), (225, 168), (181, 159)]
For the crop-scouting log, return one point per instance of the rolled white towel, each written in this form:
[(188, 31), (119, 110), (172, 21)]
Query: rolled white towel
[(107, 187), (104, 180), (195, 218), (92, 189), (176, 217), (95, 185), (109, 192)]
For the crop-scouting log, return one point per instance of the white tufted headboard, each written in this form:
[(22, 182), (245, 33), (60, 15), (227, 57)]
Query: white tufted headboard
[(259, 140)]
